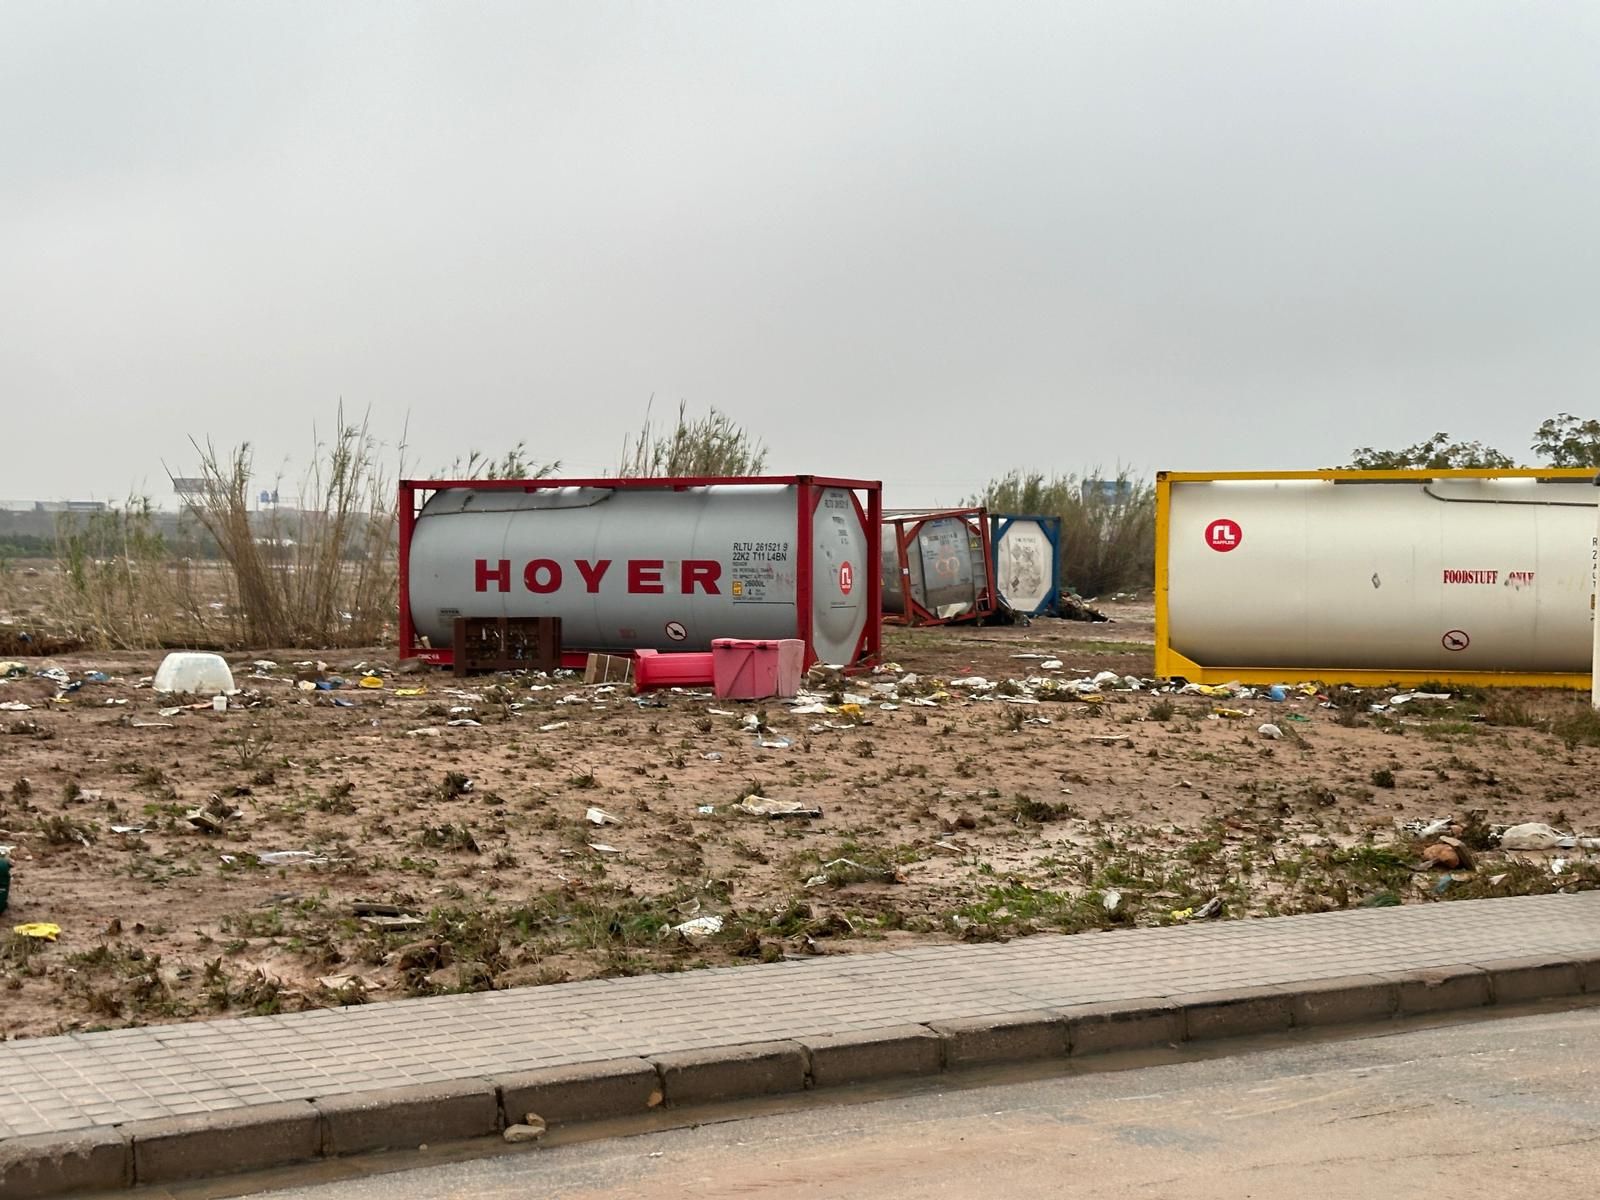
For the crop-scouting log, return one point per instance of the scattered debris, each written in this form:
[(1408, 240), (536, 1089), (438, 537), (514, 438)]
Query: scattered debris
[(1532, 835), (759, 806), (289, 858), (525, 1132), (699, 927), (391, 924), (213, 818), (1440, 857)]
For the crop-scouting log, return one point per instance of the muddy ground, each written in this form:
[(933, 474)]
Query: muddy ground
[(462, 857)]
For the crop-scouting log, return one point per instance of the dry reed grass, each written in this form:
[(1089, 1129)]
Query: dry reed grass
[(321, 575), (1108, 544)]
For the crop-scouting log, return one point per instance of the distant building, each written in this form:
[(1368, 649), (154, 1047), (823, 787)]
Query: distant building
[(70, 506), (1106, 491)]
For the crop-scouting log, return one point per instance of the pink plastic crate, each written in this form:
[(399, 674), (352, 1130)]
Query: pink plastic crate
[(744, 670), (652, 669)]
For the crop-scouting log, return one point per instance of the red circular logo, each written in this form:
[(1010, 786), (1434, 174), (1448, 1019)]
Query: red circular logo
[(847, 578), (1224, 535), (1456, 639)]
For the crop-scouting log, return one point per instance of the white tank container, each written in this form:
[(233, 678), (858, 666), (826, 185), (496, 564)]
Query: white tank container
[(1429, 573), (1027, 562), (666, 568), (945, 565)]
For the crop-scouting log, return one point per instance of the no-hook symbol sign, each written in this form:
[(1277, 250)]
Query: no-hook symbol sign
[(1223, 535)]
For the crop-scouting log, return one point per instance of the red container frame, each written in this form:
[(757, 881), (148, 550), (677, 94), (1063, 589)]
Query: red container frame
[(809, 489), (906, 527)]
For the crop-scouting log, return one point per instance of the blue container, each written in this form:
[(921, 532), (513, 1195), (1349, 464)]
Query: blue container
[(1027, 562)]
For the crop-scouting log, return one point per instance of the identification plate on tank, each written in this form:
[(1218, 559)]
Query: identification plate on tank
[(761, 573)]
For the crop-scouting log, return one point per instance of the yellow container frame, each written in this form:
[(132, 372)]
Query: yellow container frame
[(1171, 664)]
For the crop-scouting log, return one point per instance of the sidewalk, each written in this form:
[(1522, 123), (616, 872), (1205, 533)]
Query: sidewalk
[(97, 1110)]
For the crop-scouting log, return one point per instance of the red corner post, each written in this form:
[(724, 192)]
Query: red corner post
[(408, 524), (875, 574), (807, 496), (992, 598)]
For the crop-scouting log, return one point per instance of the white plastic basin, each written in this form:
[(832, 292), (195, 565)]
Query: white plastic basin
[(198, 674)]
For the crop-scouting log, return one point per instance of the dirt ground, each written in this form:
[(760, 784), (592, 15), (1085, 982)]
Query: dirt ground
[(427, 856)]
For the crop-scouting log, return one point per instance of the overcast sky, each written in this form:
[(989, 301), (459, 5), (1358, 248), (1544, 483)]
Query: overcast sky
[(922, 242)]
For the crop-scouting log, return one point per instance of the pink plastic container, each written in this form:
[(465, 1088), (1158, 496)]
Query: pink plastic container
[(652, 669), (743, 670)]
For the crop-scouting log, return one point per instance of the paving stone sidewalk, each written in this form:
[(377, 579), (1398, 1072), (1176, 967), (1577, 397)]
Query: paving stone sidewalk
[(95, 1080)]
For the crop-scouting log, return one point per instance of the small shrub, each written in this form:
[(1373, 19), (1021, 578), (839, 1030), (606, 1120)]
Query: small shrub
[(449, 837), (1508, 708), (454, 784), (1026, 809), (64, 831), (1581, 728)]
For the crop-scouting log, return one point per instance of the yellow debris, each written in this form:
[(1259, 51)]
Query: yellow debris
[(43, 930), (371, 681)]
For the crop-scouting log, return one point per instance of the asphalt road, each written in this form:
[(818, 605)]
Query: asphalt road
[(1495, 1108)]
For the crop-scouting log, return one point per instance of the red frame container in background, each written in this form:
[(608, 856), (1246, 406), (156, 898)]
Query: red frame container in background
[(907, 524), (869, 649)]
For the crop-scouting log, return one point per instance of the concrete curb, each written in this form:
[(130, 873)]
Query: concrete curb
[(400, 1117), (615, 1087), (63, 1164), (167, 1149), (864, 1056), (733, 1072), (250, 1138), (1011, 1037)]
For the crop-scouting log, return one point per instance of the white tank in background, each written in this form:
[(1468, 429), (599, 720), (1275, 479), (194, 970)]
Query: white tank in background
[(945, 567), (1027, 562)]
